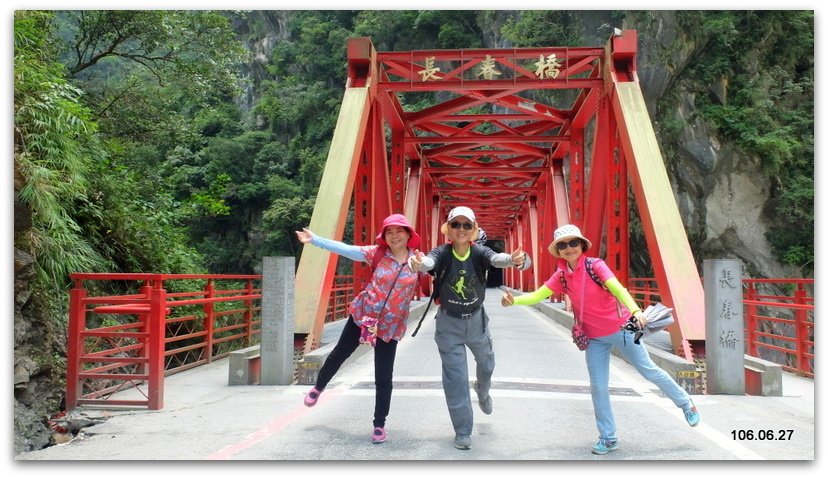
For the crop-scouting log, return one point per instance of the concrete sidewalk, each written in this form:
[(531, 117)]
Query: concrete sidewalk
[(542, 412)]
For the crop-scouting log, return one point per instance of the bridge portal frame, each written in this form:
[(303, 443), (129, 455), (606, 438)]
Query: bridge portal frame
[(520, 165)]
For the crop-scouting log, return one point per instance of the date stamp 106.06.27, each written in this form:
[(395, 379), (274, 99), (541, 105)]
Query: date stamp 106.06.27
[(764, 435)]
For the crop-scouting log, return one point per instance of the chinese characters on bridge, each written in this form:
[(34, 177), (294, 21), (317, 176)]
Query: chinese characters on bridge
[(547, 67)]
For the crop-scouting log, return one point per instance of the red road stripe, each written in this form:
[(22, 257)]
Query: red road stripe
[(272, 427)]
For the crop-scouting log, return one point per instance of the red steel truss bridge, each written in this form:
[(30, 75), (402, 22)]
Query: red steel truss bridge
[(524, 165)]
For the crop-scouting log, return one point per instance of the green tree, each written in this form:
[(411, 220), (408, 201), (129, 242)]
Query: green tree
[(54, 141), (160, 85)]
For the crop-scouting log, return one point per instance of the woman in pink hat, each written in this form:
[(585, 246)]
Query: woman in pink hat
[(597, 296), (378, 315)]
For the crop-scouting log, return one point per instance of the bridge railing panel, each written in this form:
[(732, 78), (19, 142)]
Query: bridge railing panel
[(112, 345), (132, 341), (779, 319)]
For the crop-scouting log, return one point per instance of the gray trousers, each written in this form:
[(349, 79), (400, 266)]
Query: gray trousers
[(453, 335)]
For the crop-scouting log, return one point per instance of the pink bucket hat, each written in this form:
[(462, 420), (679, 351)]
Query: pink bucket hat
[(398, 220)]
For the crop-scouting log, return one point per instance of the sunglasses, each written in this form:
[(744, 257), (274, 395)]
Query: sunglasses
[(564, 244), (465, 225)]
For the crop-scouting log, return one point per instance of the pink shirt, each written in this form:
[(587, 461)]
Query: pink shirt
[(394, 316), (602, 313)]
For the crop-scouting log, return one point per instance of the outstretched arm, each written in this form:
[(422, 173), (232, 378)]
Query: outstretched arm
[(346, 250), (518, 259), (623, 295), (526, 299)]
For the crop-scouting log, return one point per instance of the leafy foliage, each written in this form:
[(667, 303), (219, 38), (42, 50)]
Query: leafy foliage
[(543, 27), (54, 139)]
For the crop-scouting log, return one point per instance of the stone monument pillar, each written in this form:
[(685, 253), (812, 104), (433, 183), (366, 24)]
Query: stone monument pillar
[(724, 327), (277, 320)]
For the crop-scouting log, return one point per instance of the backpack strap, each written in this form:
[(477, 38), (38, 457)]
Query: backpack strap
[(440, 269), (477, 257), (563, 281), (592, 275), (589, 266), (438, 272)]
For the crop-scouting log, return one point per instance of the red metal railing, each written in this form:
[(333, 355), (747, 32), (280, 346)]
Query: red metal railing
[(779, 326), (342, 293), (644, 288), (132, 341)]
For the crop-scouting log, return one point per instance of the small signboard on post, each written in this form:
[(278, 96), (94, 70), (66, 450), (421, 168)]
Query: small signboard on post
[(689, 380), (307, 372)]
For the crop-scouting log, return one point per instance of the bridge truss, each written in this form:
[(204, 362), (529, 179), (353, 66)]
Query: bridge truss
[(420, 132)]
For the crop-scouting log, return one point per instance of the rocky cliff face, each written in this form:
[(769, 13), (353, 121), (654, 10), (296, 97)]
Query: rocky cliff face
[(39, 351), (720, 191), (261, 31)]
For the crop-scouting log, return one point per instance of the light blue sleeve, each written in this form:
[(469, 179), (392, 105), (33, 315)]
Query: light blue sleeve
[(346, 250)]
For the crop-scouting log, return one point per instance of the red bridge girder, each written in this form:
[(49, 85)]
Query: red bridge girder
[(524, 166)]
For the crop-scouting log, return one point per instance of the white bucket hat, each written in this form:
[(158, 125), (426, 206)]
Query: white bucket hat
[(564, 233)]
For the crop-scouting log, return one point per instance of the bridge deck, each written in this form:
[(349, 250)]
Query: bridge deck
[(542, 411)]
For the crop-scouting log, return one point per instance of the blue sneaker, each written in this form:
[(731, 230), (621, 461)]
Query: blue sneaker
[(604, 446), (692, 415)]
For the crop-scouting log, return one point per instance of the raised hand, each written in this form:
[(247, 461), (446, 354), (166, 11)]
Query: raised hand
[(507, 299), (305, 235), (416, 261), (518, 257)]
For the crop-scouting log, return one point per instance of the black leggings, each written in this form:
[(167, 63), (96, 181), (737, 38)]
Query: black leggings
[(384, 355)]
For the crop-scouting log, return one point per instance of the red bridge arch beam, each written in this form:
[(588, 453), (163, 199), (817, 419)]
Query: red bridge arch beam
[(672, 259), (315, 274)]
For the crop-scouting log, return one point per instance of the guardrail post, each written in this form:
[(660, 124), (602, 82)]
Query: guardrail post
[(751, 323), (77, 323), (209, 320), (248, 313), (801, 316), (157, 346), (277, 320), (724, 326), (146, 291)]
